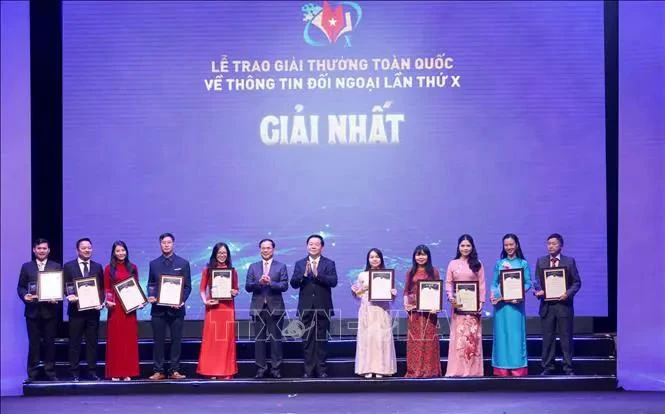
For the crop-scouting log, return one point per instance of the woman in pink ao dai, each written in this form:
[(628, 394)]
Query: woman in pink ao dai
[(465, 350)]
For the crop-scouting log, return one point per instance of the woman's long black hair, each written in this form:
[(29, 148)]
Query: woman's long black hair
[(429, 269), (212, 263), (379, 253), (474, 263), (114, 262), (518, 251)]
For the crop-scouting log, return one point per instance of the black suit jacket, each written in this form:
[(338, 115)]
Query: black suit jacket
[(315, 292), (28, 274), (269, 294), (573, 284), (177, 266), (71, 271)]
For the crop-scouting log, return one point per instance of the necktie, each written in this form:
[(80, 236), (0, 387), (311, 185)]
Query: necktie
[(40, 266), (554, 261), (315, 264), (266, 270), (86, 270)]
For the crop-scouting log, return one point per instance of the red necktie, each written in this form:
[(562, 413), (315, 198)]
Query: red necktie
[(554, 261)]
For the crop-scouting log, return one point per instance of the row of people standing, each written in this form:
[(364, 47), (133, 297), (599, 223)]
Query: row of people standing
[(217, 359), (314, 276), (122, 353), (375, 354)]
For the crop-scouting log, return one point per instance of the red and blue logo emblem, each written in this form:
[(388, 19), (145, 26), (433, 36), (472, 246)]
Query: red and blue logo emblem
[(333, 22)]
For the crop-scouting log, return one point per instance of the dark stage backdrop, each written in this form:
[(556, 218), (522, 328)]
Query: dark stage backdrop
[(374, 124), (641, 316)]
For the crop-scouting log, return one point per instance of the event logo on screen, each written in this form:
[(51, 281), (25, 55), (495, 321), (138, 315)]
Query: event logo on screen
[(331, 22)]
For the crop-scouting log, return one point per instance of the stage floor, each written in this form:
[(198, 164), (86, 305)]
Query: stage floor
[(454, 403)]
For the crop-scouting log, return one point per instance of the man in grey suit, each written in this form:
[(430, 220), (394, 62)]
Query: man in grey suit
[(557, 315), (267, 280)]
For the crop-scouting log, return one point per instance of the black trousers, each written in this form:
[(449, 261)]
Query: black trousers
[(159, 324), (80, 327), (41, 329), (558, 320), (268, 327), (315, 340)]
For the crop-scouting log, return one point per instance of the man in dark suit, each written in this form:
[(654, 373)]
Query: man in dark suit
[(315, 275), (172, 316), (83, 323), (557, 315), (41, 317), (266, 280)]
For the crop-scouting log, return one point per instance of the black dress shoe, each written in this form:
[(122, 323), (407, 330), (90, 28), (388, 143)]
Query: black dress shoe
[(93, 377), (276, 375), (76, 378), (260, 374), (547, 372), (306, 375), (53, 378), (323, 375), (570, 372)]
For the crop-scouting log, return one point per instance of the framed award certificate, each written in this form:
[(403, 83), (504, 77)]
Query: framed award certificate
[(50, 286), (512, 284), (87, 292), (430, 295), (467, 297), (381, 284), (221, 283), (170, 290), (130, 294), (554, 282)]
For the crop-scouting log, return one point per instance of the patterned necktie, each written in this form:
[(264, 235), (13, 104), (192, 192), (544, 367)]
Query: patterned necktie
[(41, 266), (86, 270), (315, 264), (554, 261)]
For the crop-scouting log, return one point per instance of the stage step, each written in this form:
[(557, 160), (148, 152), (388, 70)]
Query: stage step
[(594, 355), (585, 346), (293, 387), (344, 367), (595, 366)]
